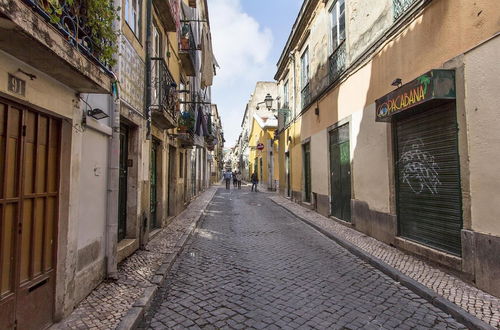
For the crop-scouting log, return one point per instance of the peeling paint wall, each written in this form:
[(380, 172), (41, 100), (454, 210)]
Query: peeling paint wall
[(40, 91)]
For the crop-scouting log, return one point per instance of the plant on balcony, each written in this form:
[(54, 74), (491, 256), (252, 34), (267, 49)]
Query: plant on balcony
[(95, 15), (186, 122), (185, 35)]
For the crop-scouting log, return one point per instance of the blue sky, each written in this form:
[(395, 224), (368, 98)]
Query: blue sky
[(248, 37)]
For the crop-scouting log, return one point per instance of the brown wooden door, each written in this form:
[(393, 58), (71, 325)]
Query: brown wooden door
[(29, 167)]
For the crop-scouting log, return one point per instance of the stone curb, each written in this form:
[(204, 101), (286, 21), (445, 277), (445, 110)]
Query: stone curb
[(459, 314), (133, 317)]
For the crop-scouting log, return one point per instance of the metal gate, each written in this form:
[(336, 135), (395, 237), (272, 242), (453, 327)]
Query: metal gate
[(340, 173), (429, 198), (307, 172), (29, 191)]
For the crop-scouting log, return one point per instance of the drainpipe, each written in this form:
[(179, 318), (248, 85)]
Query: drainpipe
[(143, 230), (149, 50), (292, 57), (113, 168)]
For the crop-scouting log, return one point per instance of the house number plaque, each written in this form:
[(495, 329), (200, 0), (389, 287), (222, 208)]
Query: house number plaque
[(16, 85)]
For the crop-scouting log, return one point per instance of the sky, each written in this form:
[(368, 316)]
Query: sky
[(248, 37)]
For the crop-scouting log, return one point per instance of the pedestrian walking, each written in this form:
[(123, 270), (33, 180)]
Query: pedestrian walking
[(235, 181), (227, 177), (239, 177), (255, 181)]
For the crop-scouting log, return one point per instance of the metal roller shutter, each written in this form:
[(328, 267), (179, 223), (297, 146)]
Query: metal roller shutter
[(428, 178)]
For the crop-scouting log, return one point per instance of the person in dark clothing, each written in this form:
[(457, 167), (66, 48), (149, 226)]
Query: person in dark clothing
[(227, 178), (255, 181), (235, 180)]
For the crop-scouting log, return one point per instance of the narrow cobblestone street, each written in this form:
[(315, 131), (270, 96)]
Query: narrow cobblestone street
[(251, 264)]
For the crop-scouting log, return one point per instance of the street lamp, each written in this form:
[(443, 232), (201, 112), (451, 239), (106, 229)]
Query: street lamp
[(269, 101)]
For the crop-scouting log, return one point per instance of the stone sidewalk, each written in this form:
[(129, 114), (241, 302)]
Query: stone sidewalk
[(478, 303), (107, 305)]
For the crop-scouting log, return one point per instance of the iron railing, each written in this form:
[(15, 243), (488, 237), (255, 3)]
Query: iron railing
[(305, 96), (400, 6), (73, 24), (164, 95), (337, 63), (187, 41)]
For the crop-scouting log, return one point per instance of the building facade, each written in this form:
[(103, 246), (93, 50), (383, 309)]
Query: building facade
[(255, 106), (263, 154), (53, 154), (394, 102), (94, 159)]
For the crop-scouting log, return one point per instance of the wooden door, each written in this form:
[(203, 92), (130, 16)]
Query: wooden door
[(288, 181), (29, 191), (171, 180), (123, 183), (154, 184)]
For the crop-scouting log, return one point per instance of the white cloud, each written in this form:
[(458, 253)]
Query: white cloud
[(242, 48)]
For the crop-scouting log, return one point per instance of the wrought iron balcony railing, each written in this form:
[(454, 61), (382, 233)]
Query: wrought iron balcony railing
[(71, 21), (164, 94), (400, 6), (305, 96), (337, 62), (187, 41)]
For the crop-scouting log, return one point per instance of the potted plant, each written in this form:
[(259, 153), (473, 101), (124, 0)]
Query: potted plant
[(186, 122)]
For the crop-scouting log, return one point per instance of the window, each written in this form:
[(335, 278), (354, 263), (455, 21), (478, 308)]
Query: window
[(304, 68), (337, 21), (133, 16), (401, 6), (157, 42), (285, 95)]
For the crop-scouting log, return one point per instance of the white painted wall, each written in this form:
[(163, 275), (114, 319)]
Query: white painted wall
[(482, 99), (93, 189), (319, 158)]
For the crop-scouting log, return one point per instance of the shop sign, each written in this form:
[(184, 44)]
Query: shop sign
[(433, 85)]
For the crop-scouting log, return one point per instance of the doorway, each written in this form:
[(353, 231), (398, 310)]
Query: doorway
[(172, 151), (306, 149), (123, 182), (287, 173), (340, 173), (428, 190), (29, 196), (155, 146)]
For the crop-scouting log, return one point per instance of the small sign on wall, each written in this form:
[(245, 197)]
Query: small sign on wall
[(16, 85)]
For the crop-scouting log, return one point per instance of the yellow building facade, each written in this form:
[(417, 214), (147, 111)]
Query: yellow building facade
[(264, 162), (365, 92)]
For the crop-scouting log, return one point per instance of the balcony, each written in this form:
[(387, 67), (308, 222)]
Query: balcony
[(305, 96), (187, 50), (337, 63), (163, 95), (61, 44), (185, 130), (400, 6), (168, 11)]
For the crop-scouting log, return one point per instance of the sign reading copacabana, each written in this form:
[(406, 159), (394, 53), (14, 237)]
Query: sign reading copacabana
[(433, 85)]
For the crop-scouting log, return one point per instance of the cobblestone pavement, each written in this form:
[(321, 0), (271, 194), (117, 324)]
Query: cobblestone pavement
[(110, 301), (478, 303), (253, 265)]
